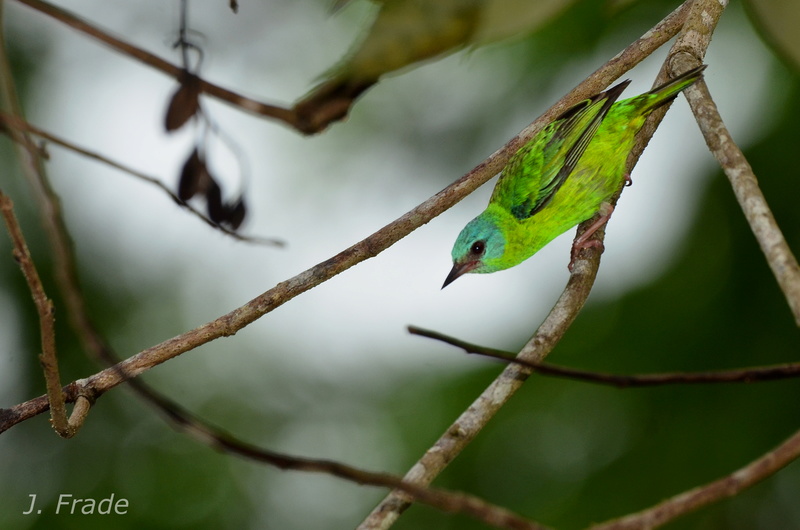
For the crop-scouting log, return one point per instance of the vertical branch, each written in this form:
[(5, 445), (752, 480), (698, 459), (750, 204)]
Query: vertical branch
[(33, 168), (44, 306)]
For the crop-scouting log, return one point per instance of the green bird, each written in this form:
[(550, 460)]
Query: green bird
[(565, 175)]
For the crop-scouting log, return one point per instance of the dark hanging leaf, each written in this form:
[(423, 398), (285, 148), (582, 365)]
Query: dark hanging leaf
[(217, 211), (194, 176), (185, 102), (236, 213)]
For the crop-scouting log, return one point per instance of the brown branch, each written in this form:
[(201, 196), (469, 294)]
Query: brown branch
[(220, 440), (742, 375), (286, 116), (31, 164), (723, 488), (745, 186), (65, 427), (443, 500), (549, 333), (17, 123)]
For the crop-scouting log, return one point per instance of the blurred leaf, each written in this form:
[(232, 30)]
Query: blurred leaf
[(406, 32), (194, 176), (502, 19), (779, 24), (184, 103), (236, 213)]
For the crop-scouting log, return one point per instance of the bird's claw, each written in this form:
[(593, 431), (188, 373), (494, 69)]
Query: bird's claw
[(577, 246)]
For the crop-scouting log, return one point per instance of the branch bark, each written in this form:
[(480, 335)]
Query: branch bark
[(723, 488), (688, 52), (64, 426)]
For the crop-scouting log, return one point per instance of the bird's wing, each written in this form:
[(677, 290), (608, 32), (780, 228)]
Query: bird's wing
[(539, 169)]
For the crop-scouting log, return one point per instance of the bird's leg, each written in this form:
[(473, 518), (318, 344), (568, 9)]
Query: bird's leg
[(581, 242)]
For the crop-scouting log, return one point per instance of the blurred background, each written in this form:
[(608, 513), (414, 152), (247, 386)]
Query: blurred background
[(334, 373)]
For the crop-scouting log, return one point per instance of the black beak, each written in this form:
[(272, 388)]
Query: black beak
[(458, 269)]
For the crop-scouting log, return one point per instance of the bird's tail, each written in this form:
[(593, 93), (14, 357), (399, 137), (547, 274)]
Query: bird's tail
[(670, 90)]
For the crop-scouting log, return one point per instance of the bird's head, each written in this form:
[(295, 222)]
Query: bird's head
[(479, 248)]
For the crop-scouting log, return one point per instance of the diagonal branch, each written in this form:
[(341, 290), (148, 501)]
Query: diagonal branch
[(688, 52), (745, 186), (723, 488)]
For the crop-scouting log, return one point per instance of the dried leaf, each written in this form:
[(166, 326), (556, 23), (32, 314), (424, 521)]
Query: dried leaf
[(194, 176), (217, 211), (236, 213), (184, 103)]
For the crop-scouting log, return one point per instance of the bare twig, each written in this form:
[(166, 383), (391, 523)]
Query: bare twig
[(31, 161), (220, 440), (286, 116), (471, 421), (15, 122), (723, 488), (66, 428), (687, 53), (742, 375)]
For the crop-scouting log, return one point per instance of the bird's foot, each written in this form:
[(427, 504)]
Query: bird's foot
[(583, 242)]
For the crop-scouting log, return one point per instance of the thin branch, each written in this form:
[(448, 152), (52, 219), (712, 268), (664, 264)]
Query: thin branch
[(549, 333), (687, 52), (286, 116), (742, 375), (745, 186), (723, 488), (443, 500), (65, 427), (220, 440), (15, 122)]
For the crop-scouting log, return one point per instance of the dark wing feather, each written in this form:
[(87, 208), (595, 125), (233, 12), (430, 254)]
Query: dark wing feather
[(569, 135)]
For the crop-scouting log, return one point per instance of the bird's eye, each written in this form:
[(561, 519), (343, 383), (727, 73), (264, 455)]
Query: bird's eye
[(478, 247)]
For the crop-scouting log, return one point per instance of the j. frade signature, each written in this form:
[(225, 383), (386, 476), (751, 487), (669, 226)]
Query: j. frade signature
[(69, 504)]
